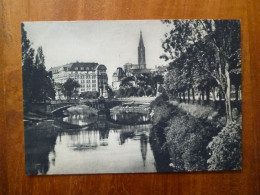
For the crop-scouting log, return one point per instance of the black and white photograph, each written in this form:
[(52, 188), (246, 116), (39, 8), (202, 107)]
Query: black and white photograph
[(131, 96)]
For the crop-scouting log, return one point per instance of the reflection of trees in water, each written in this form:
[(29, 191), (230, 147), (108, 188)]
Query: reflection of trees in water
[(80, 119), (83, 140), (135, 133), (160, 152), (103, 134), (124, 135), (87, 139), (143, 145), (129, 118), (39, 146)]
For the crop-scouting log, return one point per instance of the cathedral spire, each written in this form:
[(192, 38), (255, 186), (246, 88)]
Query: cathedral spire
[(141, 42), (141, 53)]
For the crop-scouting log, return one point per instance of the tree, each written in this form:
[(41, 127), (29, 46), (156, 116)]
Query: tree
[(109, 91), (70, 87), (140, 92), (157, 79), (90, 95), (38, 84), (27, 65), (43, 85), (127, 82), (204, 47), (144, 81)]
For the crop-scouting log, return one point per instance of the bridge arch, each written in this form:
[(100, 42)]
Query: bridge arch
[(60, 109)]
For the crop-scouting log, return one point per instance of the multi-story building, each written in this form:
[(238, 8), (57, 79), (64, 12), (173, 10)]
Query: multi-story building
[(91, 76), (117, 76)]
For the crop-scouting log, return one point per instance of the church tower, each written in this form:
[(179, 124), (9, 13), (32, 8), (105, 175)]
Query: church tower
[(141, 53)]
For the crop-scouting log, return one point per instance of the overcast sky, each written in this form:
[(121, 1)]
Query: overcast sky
[(112, 43)]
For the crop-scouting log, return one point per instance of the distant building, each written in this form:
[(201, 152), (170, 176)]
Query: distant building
[(117, 76), (130, 69), (133, 69), (91, 76)]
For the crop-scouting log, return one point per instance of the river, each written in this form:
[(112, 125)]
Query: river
[(87, 143)]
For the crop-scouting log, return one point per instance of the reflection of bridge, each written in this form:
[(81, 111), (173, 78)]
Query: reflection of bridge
[(100, 124)]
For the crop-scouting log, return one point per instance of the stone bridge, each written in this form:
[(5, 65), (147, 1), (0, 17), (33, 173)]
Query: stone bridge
[(56, 107)]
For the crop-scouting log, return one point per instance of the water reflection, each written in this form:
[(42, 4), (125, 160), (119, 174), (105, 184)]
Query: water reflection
[(39, 147), (129, 118), (80, 119), (112, 144)]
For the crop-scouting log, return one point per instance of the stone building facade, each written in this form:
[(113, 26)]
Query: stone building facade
[(91, 76)]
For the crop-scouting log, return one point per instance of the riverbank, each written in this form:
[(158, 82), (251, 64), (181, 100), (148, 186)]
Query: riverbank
[(32, 119), (189, 135)]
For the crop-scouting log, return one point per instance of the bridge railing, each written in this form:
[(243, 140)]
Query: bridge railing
[(71, 101)]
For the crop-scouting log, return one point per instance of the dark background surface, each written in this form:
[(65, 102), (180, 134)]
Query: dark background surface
[(12, 164)]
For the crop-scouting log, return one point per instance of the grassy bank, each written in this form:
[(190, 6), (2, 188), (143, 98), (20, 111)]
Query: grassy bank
[(194, 136)]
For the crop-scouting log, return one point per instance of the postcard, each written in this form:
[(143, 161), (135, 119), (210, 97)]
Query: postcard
[(131, 96)]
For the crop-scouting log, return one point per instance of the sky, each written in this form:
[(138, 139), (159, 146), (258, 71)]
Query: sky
[(112, 43)]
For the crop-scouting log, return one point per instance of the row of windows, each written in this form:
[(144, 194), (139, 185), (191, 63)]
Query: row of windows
[(88, 89), (87, 81), (88, 85), (87, 76), (83, 68)]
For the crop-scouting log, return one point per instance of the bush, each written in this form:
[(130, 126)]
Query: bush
[(161, 113), (161, 89), (225, 149), (89, 95), (140, 92), (149, 91), (187, 139), (121, 92), (159, 100)]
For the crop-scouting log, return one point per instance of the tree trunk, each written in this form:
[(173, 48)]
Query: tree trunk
[(189, 95), (180, 96), (207, 94), (237, 89), (193, 95), (227, 95), (213, 94), (220, 94), (202, 94), (184, 96)]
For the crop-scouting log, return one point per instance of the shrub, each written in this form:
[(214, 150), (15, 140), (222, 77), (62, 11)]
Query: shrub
[(149, 91), (159, 100), (225, 149), (121, 92), (89, 95), (187, 139), (161, 113), (140, 92)]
